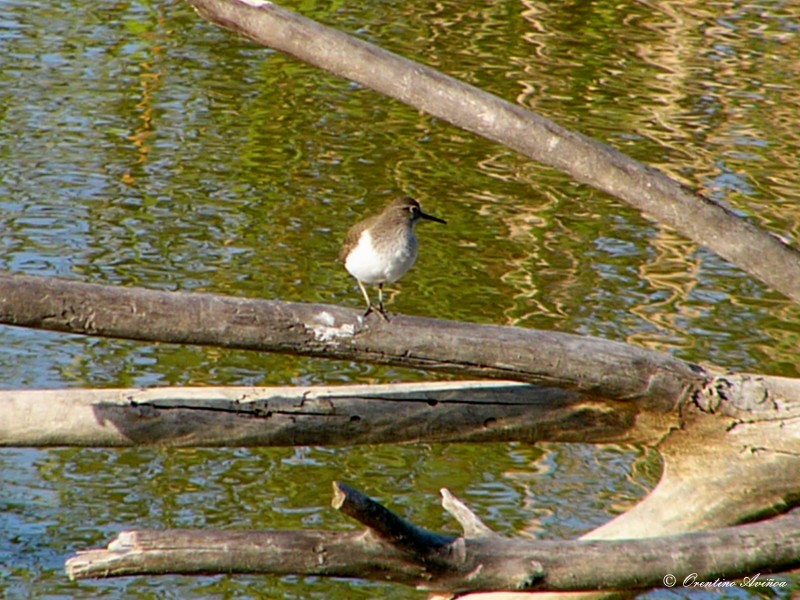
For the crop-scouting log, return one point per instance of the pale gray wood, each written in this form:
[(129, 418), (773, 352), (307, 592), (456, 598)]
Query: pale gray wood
[(471, 523), (467, 411)]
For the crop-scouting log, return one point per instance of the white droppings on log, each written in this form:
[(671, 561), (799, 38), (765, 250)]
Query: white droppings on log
[(326, 329), (256, 3)]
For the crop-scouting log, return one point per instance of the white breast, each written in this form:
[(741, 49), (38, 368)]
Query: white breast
[(394, 261)]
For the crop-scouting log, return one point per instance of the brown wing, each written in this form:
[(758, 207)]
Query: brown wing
[(351, 239)]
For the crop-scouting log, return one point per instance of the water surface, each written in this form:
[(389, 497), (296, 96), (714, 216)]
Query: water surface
[(140, 146)]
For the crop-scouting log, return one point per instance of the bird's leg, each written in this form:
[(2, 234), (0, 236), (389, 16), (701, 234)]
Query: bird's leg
[(381, 310), (370, 308)]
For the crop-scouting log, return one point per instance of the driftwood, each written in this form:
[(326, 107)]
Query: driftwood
[(341, 415), (585, 364), (392, 549), (737, 433), (730, 442), (465, 411)]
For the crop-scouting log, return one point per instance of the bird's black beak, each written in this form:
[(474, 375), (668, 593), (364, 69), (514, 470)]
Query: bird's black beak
[(424, 215)]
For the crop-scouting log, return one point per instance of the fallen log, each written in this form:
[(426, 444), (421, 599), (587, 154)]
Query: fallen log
[(585, 364), (477, 411), (393, 549)]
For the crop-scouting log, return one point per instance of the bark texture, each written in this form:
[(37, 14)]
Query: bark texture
[(581, 363), (393, 549)]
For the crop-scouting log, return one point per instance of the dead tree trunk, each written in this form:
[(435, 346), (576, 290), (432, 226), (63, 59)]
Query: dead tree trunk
[(736, 433), (464, 411), (585, 364), (392, 549), (731, 443)]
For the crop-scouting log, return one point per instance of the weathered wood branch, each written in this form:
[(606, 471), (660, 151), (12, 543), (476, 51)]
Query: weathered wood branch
[(337, 415), (386, 525), (749, 448), (735, 458), (589, 365), (736, 239), (464, 411), (392, 549)]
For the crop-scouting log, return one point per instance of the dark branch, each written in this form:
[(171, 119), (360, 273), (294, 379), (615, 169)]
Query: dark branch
[(388, 526)]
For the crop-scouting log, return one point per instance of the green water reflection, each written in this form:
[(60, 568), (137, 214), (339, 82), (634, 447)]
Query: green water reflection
[(141, 146)]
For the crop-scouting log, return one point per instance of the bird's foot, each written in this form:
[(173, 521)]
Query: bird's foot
[(378, 309)]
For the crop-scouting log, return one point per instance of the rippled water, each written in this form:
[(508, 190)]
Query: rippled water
[(142, 146)]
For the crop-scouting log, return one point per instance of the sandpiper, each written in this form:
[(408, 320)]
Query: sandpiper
[(382, 248)]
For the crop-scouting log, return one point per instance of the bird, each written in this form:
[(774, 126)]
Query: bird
[(382, 248)]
